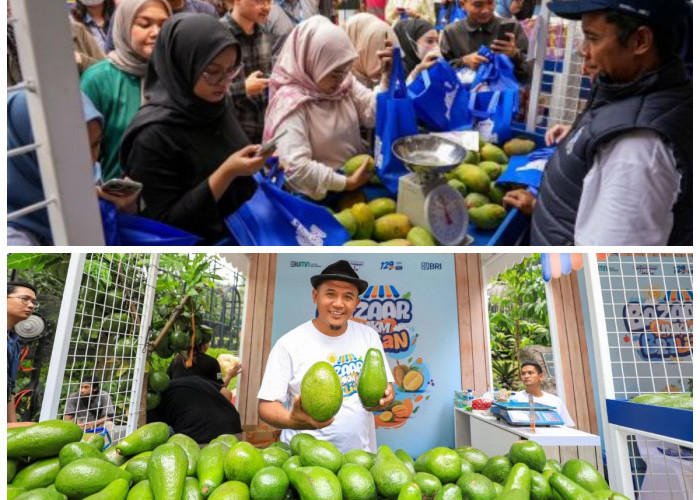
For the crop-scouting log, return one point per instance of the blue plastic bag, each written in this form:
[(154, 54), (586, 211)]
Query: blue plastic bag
[(396, 118), (133, 230), (526, 169), (494, 97), (440, 100), (277, 218), (443, 19)]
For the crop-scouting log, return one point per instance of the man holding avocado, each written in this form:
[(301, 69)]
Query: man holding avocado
[(330, 337), (461, 40)]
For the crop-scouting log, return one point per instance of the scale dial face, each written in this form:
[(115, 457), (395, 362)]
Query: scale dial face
[(446, 215)]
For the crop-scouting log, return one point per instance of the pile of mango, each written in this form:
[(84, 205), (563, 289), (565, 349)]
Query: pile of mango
[(475, 180), (378, 223), (48, 461)]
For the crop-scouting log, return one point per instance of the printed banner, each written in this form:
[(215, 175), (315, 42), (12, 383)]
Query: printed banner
[(649, 316), (411, 303)]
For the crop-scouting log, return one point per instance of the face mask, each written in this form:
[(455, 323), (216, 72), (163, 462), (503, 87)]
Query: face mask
[(92, 3), (97, 173)]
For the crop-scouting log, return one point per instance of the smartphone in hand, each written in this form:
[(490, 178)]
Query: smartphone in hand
[(121, 186), (269, 147), (503, 31)]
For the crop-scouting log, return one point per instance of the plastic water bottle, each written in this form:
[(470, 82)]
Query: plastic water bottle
[(511, 399), (470, 398)]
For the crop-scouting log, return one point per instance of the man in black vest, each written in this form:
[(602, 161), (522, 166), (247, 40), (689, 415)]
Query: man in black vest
[(623, 174)]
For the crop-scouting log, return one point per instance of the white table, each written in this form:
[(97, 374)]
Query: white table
[(494, 437)]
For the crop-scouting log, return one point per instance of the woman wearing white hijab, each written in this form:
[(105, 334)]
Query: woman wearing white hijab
[(316, 99), (115, 84)]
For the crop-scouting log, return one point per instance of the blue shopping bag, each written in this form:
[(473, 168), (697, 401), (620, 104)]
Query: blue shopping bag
[(133, 230), (444, 17), (494, 97), (278, 218), (440, 100), (526, 169), (396, 118)]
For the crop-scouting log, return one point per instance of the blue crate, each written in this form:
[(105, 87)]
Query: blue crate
[(670, 422)]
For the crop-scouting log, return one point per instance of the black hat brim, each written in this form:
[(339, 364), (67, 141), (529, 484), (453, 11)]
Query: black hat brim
[(574, 9), (320, 278)]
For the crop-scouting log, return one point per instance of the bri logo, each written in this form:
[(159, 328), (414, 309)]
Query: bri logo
[(430, 266)]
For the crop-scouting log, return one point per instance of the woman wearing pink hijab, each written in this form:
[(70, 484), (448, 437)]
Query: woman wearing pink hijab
[(317, 100)]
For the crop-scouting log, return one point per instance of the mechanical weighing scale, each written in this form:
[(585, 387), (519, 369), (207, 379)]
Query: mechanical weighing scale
[(518, 413), (424, 195)]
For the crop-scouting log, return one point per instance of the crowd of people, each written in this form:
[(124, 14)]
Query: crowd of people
[(187, 92)]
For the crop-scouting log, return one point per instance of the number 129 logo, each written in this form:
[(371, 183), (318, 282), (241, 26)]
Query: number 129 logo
[(389, 265)]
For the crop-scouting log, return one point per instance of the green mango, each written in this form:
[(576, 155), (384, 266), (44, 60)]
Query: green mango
[(488, 216)]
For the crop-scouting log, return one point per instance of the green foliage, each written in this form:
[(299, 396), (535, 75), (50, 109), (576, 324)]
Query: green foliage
[(518, 317)]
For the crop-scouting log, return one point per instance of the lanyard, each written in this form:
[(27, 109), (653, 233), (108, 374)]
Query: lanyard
[(290, 15)]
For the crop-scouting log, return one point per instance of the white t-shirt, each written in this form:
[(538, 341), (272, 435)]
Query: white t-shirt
[(293, 355), (629, 193), (549, 400)]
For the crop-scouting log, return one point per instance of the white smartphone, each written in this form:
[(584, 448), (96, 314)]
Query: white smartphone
[(125, 186), (269, 147)]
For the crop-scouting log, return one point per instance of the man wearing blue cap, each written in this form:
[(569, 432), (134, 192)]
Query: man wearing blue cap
[(333, 337), (623, 174)]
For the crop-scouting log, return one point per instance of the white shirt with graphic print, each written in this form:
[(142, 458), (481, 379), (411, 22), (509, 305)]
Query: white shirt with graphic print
[(293, 355)]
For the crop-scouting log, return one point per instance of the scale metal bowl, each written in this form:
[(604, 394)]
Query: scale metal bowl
[(428, 155)]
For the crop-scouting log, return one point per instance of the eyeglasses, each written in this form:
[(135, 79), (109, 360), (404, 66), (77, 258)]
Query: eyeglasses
[(218, 77), (25, 300)]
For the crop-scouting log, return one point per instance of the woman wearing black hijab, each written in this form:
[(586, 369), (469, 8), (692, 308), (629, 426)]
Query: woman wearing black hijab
[(180, 143), (420, 45)]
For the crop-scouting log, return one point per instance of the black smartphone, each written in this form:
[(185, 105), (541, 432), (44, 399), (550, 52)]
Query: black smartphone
[(125, 186), (503, 31)]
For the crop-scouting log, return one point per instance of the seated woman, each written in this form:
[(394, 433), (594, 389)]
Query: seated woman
[(24, 179), (367, 34), (316, 99), (114, 85), (186, 145), (420, 45)]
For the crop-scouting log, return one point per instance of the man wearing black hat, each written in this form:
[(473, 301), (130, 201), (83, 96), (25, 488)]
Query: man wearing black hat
[(623, 174), (333, 338), (90, 407)]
